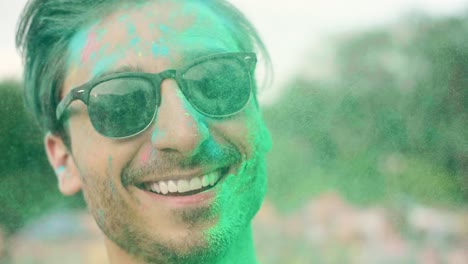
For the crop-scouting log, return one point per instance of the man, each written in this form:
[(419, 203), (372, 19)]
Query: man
[(150, 110)]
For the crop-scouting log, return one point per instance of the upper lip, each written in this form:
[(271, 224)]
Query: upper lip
[(178, 176)]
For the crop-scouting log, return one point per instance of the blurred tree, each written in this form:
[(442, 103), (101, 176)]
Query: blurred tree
[(390, 121), (440, 95)]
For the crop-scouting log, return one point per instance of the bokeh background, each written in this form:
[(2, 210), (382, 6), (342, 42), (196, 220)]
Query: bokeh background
[(368, 114)]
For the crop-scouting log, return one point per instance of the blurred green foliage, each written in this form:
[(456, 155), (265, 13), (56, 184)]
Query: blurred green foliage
[(389, 123), (28, 185)]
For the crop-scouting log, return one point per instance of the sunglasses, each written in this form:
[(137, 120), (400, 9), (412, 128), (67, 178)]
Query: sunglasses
[(122, 105)]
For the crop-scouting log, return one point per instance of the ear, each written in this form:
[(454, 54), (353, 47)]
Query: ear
[(61, 160)]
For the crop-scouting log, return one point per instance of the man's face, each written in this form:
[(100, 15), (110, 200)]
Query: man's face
[(180, 144)]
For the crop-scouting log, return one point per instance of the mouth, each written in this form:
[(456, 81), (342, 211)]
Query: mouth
[(185, 187)]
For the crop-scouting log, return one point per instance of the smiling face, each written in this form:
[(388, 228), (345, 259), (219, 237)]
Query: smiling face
[(209, 172)]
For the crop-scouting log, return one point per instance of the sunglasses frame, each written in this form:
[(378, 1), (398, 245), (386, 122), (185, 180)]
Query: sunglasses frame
[(82, 92)]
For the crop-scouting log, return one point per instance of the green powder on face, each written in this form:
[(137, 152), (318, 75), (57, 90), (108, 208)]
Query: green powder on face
[(60, 170), (105, 63), (163, 28), (124, 17), (131, 29), (109, 168), (77, 44), (156, 135), (237, 213), (81, 39), (159, 50), (101, 217), (101, 32), (134, 42)]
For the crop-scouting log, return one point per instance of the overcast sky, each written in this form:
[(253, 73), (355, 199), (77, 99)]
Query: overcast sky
[(288, 27)]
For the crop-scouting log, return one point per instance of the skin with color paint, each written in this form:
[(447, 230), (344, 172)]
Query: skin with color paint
[(144, 227)]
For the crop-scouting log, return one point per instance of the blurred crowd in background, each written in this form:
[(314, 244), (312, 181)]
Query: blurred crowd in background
[(369, 163), (327, 229)]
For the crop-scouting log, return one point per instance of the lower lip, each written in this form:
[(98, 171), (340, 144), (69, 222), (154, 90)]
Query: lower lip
[(199, 199)]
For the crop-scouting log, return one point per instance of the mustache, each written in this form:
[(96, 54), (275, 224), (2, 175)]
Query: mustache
[(164, 162)]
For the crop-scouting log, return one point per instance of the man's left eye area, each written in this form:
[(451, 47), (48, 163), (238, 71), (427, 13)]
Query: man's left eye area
[(210, 89)]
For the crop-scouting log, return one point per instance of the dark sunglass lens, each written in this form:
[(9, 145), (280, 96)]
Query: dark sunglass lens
[(122, 107), (218, 87)]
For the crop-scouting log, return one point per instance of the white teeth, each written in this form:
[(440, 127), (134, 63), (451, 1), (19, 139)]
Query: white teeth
[(205, 180), (183, 186), (195, 183), (212, 177), (163, 186), (155, 187), (172, 186)]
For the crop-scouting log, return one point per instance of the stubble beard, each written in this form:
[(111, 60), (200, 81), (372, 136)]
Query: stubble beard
[(208, 246)]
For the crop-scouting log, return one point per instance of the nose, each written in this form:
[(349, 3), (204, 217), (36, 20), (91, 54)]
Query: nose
[(178, 126)]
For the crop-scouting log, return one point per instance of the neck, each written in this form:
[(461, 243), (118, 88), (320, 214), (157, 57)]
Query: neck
[(241, 251)]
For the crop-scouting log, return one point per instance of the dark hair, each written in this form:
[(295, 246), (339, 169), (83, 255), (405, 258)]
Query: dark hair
[(46, 28)]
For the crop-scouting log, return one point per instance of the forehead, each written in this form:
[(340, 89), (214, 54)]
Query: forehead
[(151, 36)]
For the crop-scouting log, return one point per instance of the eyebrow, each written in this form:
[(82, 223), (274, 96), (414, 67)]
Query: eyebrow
[(190, 55), (121, 69)]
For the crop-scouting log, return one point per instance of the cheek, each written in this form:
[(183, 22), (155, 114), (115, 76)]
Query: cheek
[(94, 155), (82, 134), (234, 131), (258, 134), (248, 132)]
